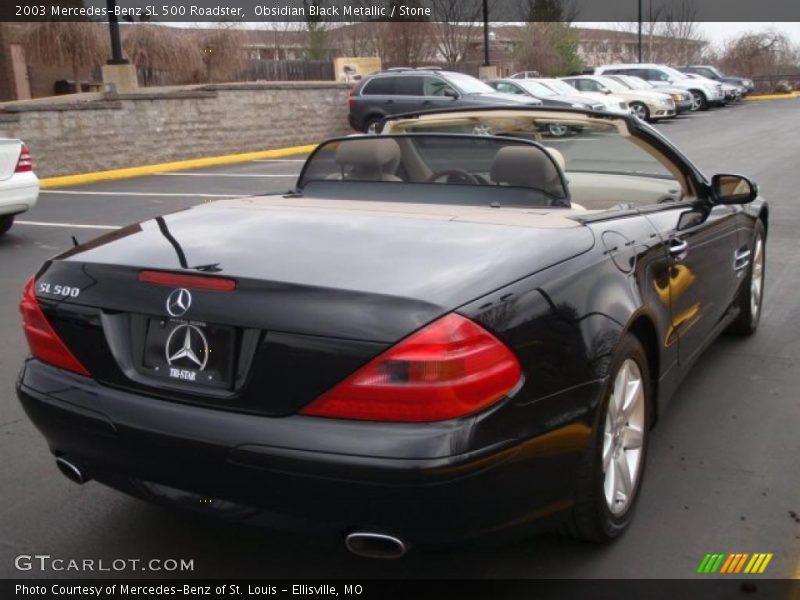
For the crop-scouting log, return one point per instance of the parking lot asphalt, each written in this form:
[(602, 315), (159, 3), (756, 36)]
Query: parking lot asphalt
[(722, 473)]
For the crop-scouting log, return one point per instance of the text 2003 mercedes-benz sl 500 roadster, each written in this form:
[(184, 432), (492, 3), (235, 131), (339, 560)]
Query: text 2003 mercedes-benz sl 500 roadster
[(454, 329)]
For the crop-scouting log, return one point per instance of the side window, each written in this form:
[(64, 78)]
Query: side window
[(507, 88), (591, 85), (380, 86), (659, 75), (408, 86), (433, 86), (583, 85)]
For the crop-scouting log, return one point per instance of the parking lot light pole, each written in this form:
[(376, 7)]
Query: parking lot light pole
[(486, 62), (640, 31), (113, 30)]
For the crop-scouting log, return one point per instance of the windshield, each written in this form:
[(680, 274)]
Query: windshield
[(604, 165), (456, 169), (614, 86), (469, 85), (675, 74), (635, 83), (536, 88), (561, 87)]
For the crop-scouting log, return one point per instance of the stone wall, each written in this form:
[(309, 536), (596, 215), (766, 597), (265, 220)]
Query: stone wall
[(109, 132)]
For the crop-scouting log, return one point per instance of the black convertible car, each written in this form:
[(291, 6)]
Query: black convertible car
[(457, 328)]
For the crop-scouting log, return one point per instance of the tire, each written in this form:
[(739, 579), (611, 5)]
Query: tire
[(640, 110), (597, 490), (699, 101), (6, 222), (557, 129), (751, 296), (371, 124)]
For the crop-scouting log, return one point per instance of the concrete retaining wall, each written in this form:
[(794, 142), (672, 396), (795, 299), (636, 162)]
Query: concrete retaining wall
[(111, 132)]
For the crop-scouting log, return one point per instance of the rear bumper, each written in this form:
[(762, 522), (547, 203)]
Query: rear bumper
[(19, 193), (302, 473)]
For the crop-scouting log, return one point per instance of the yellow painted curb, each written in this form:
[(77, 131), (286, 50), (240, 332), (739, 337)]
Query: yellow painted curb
[(763, 97), (193, 163)]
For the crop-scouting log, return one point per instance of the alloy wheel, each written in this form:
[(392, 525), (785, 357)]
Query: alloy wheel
[(557, 129), (623, 437), (757, 277), (640, 111), (697, 101)]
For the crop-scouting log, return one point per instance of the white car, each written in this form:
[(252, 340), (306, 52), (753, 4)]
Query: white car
[(648, 105), (19, 186), (704, 93), (610, 102)]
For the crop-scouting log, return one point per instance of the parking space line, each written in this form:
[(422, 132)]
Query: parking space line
[(71, 225), (227, 174), (156, 194)]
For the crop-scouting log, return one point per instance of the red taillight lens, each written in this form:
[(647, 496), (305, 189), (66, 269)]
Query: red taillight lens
[(42, 339), (451, 368), (197, 282), (24, 164)]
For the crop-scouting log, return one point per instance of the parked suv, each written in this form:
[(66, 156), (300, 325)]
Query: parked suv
[(703, 93), (398, 91), (711, 72)]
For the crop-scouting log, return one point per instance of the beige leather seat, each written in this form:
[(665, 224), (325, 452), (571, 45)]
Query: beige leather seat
[(526, 166), (369, 159)]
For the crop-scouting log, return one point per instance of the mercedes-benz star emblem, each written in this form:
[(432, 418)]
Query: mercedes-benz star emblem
[(187, 342), (178, 302)]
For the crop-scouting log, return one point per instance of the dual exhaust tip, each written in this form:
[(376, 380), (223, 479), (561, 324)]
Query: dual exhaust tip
[(71, 471), (375, 545), (361, 543)]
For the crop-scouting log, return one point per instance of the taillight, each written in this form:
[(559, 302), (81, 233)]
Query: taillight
[(451, 368), (24, 164), (351, 102), (42, 339), (198, 282)]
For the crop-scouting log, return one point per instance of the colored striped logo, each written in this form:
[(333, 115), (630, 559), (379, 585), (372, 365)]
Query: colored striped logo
[(738, 562)]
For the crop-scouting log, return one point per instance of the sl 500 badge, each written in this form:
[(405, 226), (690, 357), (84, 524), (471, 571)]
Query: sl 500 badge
[(65, 291)]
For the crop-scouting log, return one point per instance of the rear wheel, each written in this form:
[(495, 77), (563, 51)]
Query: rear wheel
[(751, 296), (6, 222), (640, 110), (557, 129), (611, 475)]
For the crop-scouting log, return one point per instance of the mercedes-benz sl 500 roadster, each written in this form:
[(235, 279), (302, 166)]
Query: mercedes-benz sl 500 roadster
[(457, 328)]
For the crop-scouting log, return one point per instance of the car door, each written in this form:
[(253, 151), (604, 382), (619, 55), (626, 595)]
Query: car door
[(435, 93), (703, 277), (409, 95)]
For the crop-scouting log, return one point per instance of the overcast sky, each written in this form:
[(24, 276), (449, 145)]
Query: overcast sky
[(716, 33)]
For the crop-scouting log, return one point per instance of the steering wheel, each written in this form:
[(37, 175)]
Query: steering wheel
[(454, 176)]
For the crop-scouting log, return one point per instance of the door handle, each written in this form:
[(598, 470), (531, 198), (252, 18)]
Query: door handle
[(677, 246), (390, 102)]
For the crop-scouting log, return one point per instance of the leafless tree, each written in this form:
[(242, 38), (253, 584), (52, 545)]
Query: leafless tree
[(79, 44), (670, 32), (454, 27), (158, 51), (407, 43), (222, 52), (764, 53)]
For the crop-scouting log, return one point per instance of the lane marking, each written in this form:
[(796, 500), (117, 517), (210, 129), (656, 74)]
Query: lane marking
[(194, 163), (71, 225), (293, 175), (156, 194)]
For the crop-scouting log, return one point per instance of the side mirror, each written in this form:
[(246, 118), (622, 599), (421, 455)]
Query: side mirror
[(733, 189), (451, 93)]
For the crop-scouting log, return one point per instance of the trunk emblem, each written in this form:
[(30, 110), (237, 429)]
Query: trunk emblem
[(178, 302), (187, 342)]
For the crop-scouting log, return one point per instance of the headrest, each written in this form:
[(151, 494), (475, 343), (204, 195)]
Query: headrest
[(371, 153), (526, 166)]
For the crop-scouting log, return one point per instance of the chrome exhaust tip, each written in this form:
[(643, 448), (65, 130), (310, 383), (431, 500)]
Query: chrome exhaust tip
[(375, 545), (70, 471)]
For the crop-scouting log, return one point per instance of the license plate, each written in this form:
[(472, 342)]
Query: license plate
[(189, 352)]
